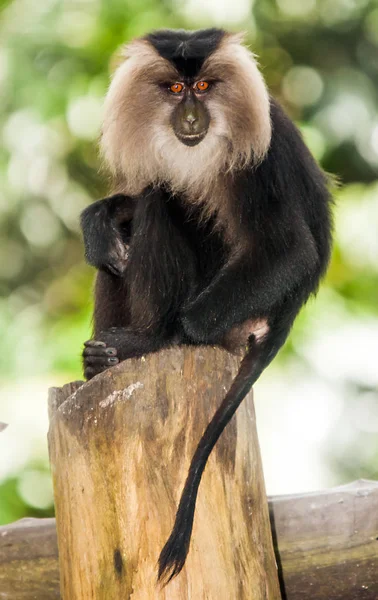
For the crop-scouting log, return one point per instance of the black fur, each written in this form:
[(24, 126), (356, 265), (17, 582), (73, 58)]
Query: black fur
[(187, 50), (179, 286)]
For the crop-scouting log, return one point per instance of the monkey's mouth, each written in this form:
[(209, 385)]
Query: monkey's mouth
[(191, 139)]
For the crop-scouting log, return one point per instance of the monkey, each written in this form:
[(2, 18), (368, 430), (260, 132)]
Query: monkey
[(218, 229)]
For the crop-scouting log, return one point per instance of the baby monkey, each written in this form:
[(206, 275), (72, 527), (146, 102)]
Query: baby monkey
[(219, 226)]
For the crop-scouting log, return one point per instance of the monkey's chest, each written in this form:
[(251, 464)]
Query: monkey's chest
[(205, 244), (173, 257)]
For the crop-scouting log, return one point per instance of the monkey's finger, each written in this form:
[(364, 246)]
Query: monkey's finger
[(99, 351), (100, 360), (94, 343), (90, 372)]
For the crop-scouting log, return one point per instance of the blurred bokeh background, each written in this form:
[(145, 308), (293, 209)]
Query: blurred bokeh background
[(317, 405)]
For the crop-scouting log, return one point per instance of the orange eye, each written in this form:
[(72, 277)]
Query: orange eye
[(201, 86), (176, 88)]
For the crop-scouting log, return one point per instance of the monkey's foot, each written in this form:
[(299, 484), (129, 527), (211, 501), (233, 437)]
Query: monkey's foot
[(98, 357)]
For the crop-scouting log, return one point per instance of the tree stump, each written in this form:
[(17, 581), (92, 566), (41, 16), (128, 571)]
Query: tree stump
[(120, 448)]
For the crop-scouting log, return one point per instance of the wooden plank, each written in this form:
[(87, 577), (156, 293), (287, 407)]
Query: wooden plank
[(328, 543), (29, 560)]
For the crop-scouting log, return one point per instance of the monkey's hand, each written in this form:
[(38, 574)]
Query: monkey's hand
[(115, 345), (98, 357), (106, 226)]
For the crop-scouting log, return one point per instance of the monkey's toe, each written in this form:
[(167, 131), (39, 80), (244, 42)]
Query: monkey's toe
[(97, 357)]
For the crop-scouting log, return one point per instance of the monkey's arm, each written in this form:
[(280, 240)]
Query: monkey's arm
[(106, 226)]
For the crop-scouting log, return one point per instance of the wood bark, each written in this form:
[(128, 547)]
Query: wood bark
[(120, 449), (326, 545)]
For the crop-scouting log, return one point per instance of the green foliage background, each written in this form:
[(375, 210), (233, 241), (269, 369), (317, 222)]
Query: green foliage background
[(320, 58)]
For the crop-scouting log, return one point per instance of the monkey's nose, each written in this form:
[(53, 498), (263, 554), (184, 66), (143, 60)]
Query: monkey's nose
[(191, 124), (191, 119)]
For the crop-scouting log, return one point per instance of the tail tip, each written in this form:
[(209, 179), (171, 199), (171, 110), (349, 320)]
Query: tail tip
[(171, 560)]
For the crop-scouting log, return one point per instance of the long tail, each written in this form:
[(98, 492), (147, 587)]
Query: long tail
[(174, 553)]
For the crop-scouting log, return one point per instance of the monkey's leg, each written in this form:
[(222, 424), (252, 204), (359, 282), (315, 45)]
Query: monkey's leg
[(114, 337), (111, 302), (242, 290), (106, 226), (111, 309)]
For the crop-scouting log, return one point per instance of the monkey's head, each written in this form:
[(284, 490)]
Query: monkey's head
[(182, 108)]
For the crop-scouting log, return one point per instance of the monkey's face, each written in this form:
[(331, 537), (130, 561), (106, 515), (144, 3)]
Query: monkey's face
[(183, 109), (190, 118)]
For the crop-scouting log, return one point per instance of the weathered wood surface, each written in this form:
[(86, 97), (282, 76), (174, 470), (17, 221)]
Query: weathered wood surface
[(327, 548), (29, 560), (328, 543), (120, 449)]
